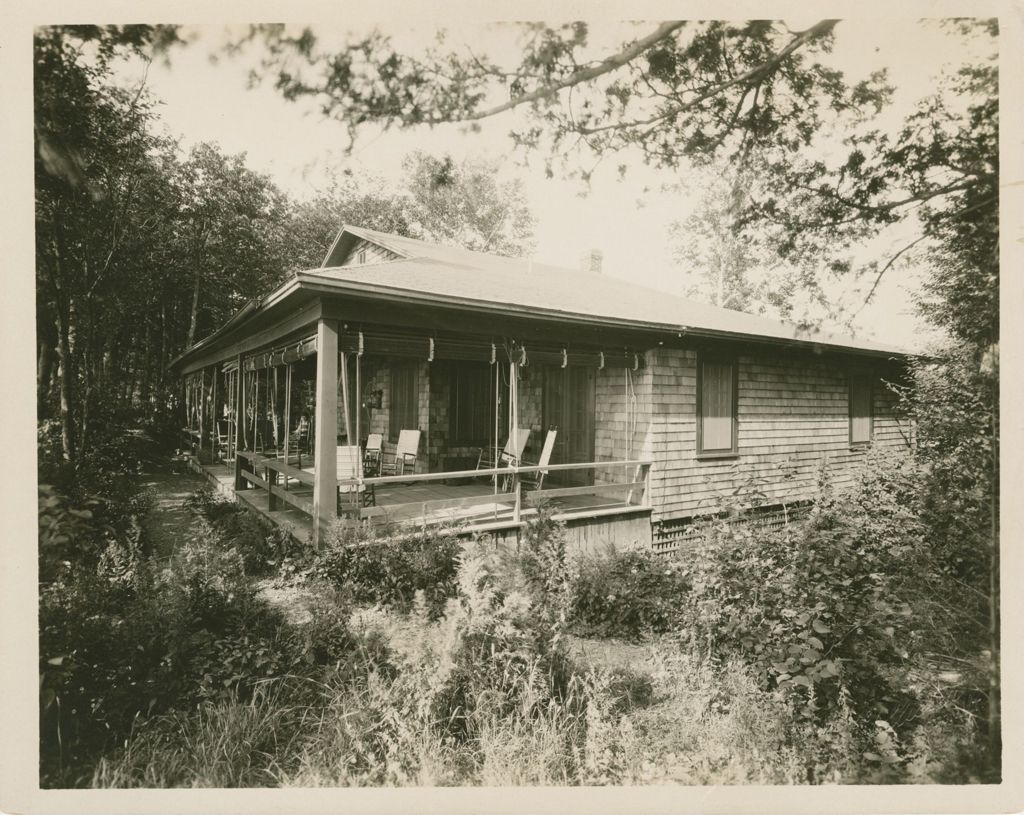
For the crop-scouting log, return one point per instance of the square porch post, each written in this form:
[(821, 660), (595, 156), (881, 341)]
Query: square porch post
[(325, 479), (240, 483)]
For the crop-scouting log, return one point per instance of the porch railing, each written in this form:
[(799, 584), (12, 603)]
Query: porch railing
[(507, 503)]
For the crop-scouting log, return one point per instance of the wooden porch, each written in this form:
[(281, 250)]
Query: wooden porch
[(469, 500)]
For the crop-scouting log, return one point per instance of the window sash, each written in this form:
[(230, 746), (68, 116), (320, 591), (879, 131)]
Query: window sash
[(716, 406), (861, 413)]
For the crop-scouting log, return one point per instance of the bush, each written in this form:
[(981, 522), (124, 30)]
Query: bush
[(191, 633), (262, 546), (381, 567), (627, 594), (817, 608)]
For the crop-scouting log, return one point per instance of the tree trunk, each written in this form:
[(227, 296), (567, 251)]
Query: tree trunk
[(44, 377), (67, 383), (195, 314), (995, 735)]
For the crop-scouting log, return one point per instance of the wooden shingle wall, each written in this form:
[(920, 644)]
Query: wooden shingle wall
[(793, 418), (374, 253)]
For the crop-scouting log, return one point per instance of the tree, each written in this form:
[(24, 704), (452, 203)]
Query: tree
[(230, 224), (92, 167), (438, 200), (137, 250), (724, 264), (690, 92)]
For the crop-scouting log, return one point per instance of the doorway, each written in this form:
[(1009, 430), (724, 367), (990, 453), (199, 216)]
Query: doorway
[(569, 406)]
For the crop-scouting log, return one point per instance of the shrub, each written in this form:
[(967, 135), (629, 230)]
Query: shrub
[(381, 567), (628, 594), (262, 546), (817, 609), (192, 632)]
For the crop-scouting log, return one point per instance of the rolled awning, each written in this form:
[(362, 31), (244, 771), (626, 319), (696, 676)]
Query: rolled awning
[(281, 355), (428, 347)]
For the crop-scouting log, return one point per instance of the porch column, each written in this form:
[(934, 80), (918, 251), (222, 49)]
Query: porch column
[(240, 483), (325, 482), (214, 423)]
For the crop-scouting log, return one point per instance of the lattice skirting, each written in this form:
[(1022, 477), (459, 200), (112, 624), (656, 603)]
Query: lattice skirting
[(679, 534)]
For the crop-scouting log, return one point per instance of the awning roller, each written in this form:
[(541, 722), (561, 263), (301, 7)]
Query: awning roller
[(427, 347), (281, 355)]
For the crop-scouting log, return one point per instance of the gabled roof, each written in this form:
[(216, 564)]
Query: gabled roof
[(432, 272)]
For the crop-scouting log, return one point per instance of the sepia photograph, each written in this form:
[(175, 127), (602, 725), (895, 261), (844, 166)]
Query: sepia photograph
[(583, 402)]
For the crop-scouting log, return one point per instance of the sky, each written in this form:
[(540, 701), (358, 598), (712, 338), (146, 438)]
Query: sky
[(207, 99)]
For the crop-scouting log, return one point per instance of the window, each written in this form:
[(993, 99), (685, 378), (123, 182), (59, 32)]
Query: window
[(404, 413), (861, 419), (471, 404), (716, 407)]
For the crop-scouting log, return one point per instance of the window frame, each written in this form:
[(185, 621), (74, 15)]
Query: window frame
[(867, 380), (722, 359)]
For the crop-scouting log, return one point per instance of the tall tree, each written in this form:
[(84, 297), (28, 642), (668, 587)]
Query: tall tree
[(92, 165)]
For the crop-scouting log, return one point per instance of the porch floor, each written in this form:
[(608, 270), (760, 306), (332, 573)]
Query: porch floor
[(411, 503)]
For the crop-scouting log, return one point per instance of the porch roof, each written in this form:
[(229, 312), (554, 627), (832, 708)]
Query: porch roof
[(427, 274), (455, 275)]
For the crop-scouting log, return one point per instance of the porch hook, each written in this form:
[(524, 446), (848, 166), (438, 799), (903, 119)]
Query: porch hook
[(636, 362), (494, 353), (600, 360), (361, 346), (430, 355), (565, 358)]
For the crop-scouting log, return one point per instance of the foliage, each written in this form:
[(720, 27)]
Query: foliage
[(381, 566), (628, 594), (116, 649), (813, 607), (837, 616), (753, 99), (460, 204), (262, 546)]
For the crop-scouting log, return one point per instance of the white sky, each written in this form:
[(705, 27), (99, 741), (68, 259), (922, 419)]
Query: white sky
[(628, 220)]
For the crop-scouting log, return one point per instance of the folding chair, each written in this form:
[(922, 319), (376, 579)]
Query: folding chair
[(373, 454), (509, 455), (512, 453), (352, 497), (535, 481), (222, 429)]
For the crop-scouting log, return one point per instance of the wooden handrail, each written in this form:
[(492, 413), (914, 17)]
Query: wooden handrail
[(487, 471), (509, 469)]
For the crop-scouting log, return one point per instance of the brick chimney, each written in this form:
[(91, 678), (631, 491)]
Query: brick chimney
[(590, 261)]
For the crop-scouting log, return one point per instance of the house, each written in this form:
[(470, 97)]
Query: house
[(660, 405)]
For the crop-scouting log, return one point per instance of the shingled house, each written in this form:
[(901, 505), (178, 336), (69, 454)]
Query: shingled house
[(660, 405)]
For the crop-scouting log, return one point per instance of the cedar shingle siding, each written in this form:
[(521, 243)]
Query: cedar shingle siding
[(794, 411)]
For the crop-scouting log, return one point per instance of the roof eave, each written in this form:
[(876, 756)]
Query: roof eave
[(246, 312), (316, 282)]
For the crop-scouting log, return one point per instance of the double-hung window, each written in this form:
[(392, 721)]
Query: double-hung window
[(717, 428)]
